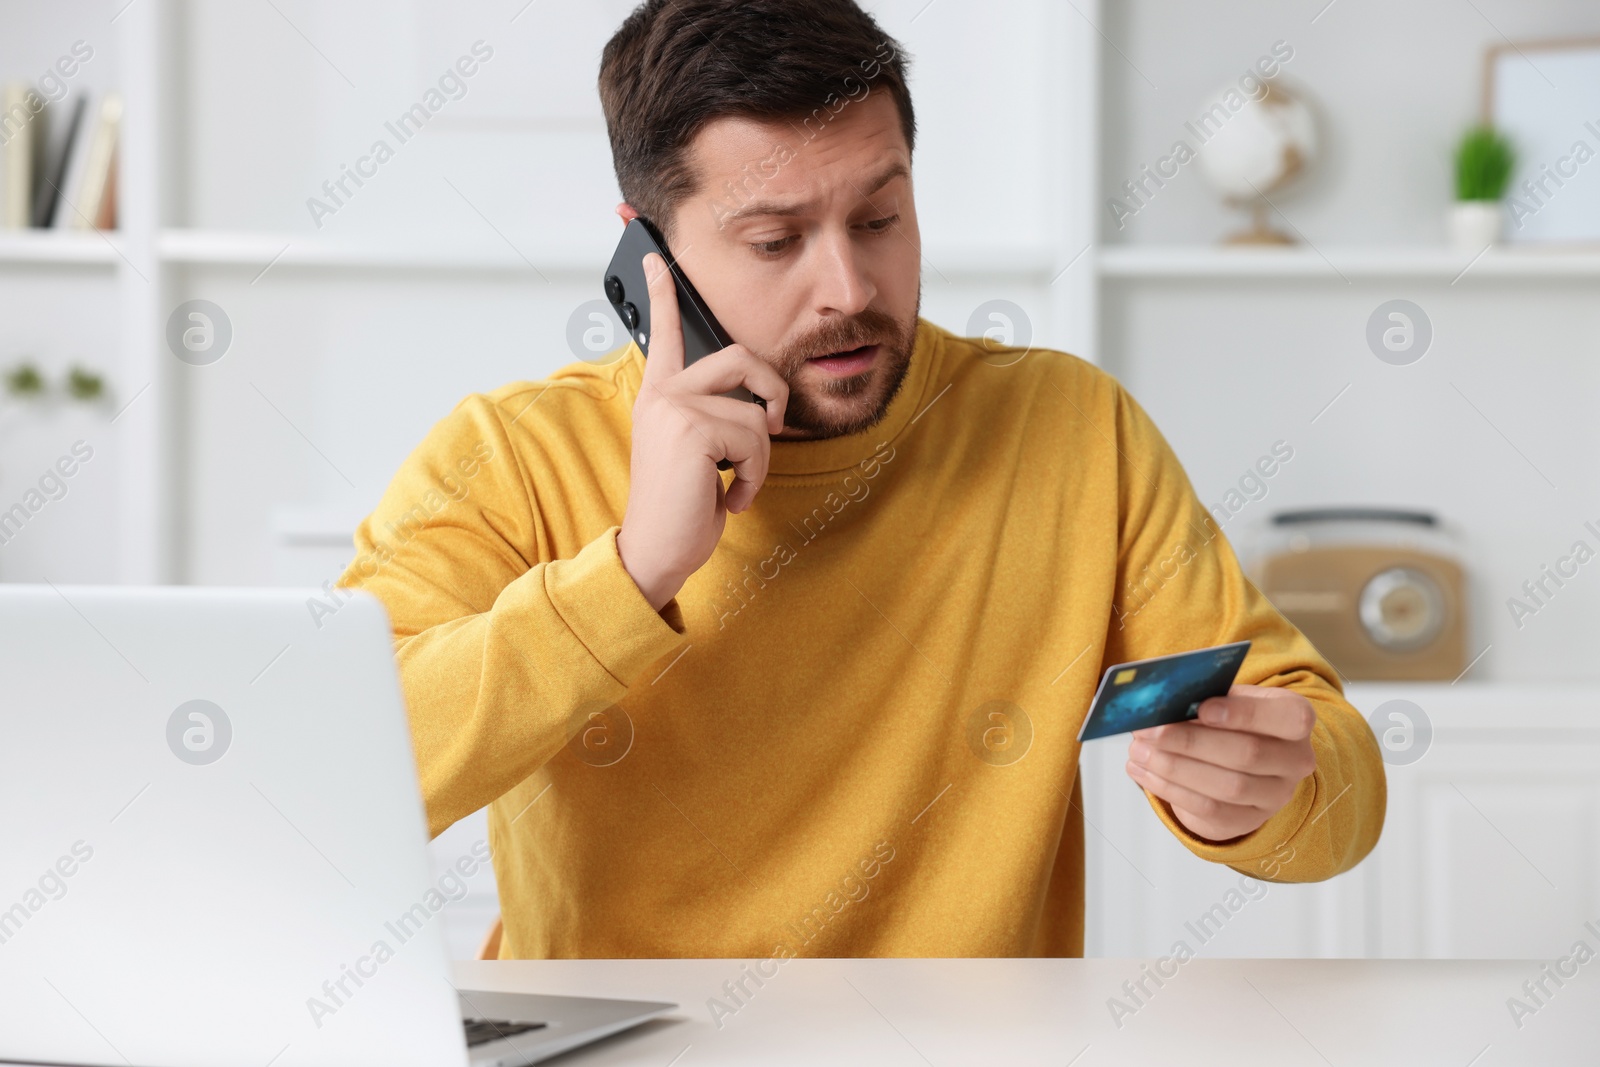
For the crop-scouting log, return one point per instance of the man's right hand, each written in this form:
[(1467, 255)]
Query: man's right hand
[(681, 428)]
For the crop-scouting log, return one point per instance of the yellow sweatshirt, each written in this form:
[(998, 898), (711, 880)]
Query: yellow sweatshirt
[(852, 732)]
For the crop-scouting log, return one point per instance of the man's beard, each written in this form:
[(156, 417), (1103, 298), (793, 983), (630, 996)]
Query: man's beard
[(882, 380)]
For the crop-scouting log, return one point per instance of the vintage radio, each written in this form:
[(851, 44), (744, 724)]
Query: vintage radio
[(1380, 593)]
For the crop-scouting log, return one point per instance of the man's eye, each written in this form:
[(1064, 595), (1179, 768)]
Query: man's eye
[(773, 248)]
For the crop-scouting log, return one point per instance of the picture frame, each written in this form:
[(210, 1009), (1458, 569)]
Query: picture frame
[(1544, 96)]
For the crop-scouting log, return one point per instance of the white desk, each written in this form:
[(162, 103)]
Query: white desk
[(1014, 1012)]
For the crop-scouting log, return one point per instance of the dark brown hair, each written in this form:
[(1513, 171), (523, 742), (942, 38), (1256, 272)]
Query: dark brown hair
[(675, 65)]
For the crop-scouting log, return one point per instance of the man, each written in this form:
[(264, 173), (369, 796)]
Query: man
[(823, 703)]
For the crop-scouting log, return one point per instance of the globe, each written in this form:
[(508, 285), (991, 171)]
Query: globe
[(1254, 151)]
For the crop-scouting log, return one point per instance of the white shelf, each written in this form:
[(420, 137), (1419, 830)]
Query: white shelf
[(1016, 260), (1569, 706), (255, 250), (35, 247), (1336, 263)]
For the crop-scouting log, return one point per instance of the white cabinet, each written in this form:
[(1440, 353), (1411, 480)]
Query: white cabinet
[(1490, 847)]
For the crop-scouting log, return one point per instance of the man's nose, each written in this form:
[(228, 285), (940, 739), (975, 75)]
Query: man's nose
[(843, 286)]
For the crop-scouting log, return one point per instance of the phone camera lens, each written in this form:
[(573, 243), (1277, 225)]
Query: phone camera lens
[(614, 290), (630, 316)]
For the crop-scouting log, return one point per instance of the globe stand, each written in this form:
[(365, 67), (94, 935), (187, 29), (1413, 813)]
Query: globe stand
[(1260, 231)]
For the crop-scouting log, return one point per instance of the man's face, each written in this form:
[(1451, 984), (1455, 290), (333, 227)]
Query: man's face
[(803, 240)]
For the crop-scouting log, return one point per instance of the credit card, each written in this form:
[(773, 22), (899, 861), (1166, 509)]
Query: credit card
[(1162, 689)]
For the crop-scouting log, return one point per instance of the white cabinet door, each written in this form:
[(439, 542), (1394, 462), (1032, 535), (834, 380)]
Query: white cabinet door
[(1492, 843)]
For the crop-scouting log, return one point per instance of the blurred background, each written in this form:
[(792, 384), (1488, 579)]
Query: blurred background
[(1346, 254)]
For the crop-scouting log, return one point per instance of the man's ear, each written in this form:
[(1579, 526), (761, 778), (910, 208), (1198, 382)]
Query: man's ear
[(626, 212)]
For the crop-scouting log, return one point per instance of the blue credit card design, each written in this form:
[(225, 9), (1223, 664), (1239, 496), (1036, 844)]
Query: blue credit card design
[(1163, 689)]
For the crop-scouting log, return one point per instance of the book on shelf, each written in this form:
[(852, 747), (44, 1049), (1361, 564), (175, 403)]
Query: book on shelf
[(58, 159), (17, 134), (56, 148), (94, 205)]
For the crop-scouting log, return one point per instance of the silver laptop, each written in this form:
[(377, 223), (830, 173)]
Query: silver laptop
[(214, 852)]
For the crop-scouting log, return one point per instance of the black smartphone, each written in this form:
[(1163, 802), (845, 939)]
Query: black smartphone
[(628, 292)]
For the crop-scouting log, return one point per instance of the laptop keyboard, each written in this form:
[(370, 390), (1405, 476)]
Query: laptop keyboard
[(483, 1031)]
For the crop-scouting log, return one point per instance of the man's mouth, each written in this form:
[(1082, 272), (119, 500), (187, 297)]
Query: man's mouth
[(853, 361)]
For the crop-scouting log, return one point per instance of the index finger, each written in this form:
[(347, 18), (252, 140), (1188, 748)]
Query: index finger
[(666, 329), (1261, 709)]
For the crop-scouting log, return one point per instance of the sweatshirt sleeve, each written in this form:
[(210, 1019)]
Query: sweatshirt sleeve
[(1180, 586), (499, 648)]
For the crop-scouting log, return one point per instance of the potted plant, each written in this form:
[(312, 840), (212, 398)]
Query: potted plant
[(1484, 160)]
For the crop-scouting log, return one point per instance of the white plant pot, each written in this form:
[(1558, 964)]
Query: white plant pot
[(1475, 224)]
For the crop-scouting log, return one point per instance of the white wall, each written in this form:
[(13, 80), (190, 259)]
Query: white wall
[(1393, 84), (1226, 369), (1492, 428)]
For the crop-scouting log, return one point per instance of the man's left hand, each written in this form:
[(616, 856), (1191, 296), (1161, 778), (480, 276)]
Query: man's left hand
[(1234, 767)]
